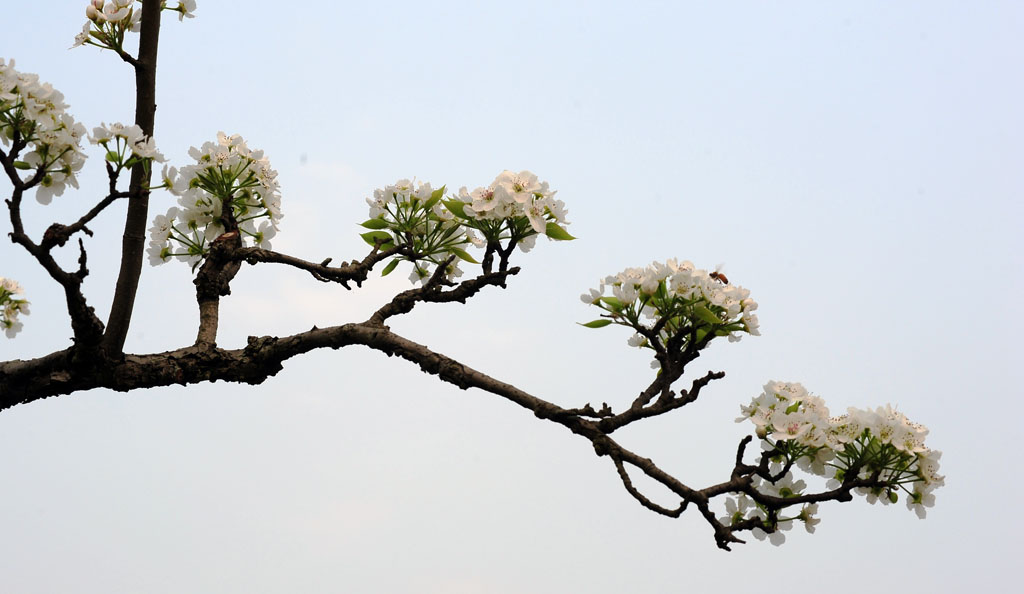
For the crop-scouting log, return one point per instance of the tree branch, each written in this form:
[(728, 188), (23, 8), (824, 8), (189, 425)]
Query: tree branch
[(356, 271), (626, 482), (87, 328), (431, 292), (58, 234), (133, 240), (667, 402)]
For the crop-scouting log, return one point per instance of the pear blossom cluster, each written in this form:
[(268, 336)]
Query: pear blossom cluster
[(413, 213), (517, 200), (109, 20), (514, 209), (881, 445), (11, 306), (230, 185), (743, 507), (677, 300), (113, 11), (125, 145), (32, 116)]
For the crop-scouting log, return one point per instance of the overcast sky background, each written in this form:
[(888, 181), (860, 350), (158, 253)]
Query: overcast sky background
[(858, 167)]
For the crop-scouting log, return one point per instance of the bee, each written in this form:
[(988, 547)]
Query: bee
[(718, 276)]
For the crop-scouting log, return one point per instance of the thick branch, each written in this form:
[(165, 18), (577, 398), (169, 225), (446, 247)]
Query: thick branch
[(133, 240), (26, 381), (214, 281), (61, 373)]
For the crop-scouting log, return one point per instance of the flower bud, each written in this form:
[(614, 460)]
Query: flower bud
[(91, 13)]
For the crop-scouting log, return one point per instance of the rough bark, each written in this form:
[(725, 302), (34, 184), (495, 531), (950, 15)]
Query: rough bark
[(134, 239)]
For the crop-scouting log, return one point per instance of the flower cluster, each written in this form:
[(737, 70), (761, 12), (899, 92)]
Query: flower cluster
[(128, 141), (515, 205), (230, 187), (879, 445), (11, 306), (682, 304), (743, 508), (513, 210), (32, 115), (414, 214), (109, 20)]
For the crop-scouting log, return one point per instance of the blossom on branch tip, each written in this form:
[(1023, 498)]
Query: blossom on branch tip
[(185, 9), (125, 138), (919, 500), (881, 445), (807, 517), (518, 187), (93, 10), (517, 204), (84, 35), (735, 509), (33, 112), (264, 234), (434, 228), (107, 22), (593, 295), (684, 303), (228, 173), (116, 10), (11, 306)]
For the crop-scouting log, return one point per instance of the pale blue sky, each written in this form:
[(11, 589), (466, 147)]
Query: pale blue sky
[(858, 167)]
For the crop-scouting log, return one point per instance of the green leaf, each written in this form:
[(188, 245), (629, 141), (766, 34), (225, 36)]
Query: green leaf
[(22, 165), (456, 207), (893, 497), (613, 302), (383, 238), (597, 324), (555, 232), (435, 197), (391, 266), (375, 224), (706, 315), (792, 408), (461, 253), (112, 156)]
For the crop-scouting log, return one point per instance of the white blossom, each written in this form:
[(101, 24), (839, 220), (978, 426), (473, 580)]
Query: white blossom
[(185, 9), (11, 306), (807, 517), (35, 112), (881, 443), (683, 294), (227, 171)]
